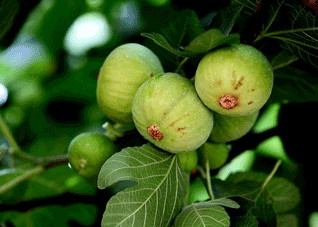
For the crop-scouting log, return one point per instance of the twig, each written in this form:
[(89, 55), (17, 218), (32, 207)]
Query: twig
[(208, 179), (268, 178)]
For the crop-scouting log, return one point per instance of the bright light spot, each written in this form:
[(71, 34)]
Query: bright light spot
[(273, 147), (313, 219), (88, 31), (127, 17), (20, 55), (69, 165), (268, 120), (241, 163), (3, 94)]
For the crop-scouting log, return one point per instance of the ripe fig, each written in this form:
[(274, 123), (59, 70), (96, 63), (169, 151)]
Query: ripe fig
[(228, 128), (121, 74), (235, 80), (168, 112), (188, 160), (87, 153), (216, 153)]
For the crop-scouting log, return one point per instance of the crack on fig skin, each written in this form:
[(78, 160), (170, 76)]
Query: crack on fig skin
[(237, 84), (250, 102), (181, 128), (175, 121), (154, 132), (251, 90), (228, 101)]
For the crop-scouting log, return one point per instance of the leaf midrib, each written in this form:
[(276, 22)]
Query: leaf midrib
[(155, 190)]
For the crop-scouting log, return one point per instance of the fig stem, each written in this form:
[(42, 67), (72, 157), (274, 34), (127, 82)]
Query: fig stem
[(8, 134), (268, 178), (181, 64), (113, 131), (23, 177), (208, 179)]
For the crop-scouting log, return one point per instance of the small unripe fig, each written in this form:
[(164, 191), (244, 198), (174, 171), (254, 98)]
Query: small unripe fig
[(168, 112), (228, 128), (188, 160), (215, 153), (121, 74), (235, 80), (87, 153)]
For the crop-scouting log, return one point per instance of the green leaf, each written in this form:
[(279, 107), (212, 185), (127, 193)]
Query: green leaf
[(8, 12), (156, 199), (163, 42), (227, 17), (283, 59), (211, 39), (203, 43), (298, 33), (286, 195), (247, 220), (287, 220), (293, 85), (225, 202), (202, 214)]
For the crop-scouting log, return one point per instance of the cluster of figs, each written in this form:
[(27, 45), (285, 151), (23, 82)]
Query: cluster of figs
[(183, 116)]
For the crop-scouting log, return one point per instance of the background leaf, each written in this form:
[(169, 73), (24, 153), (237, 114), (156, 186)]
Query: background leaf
[(159, 195), (202, 214), (8, 12)]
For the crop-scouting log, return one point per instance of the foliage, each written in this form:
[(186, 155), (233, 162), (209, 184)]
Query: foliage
[(141, 185)]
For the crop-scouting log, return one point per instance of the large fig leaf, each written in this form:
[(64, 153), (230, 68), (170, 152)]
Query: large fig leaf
[(156, 199), (208, 213)]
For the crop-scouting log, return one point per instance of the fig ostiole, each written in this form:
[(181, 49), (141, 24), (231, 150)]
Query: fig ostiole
[(123, 71), (216, 154), (168, 112), (229, 128), (236, 80)]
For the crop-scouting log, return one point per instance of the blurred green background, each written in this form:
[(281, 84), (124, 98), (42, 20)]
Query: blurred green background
[(50, 55)]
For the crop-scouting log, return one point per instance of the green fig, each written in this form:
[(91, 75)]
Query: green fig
[(235, 80), (123, 71), (215, 153), (228, 128), (168, 112), (87, 153), (188, 160)]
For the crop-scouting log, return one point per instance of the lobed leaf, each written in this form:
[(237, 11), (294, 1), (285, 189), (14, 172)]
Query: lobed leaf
[(160, 192)]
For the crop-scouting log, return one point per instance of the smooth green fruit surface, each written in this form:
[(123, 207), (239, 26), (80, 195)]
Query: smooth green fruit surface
[(235, 80), (228, 128), (121, 74), (216, 153), (168, 112), (88, 152), (188, 160)]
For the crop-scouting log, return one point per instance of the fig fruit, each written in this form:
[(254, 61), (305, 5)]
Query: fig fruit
[(87, 153), (168, 112), (235, 80), (188, 160), (228, 128), (215, 153), (123, 71)]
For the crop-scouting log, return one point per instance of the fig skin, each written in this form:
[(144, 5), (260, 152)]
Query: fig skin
[(188, 160), (235, 80), (87, 153), (123, 71), (216, 153), (168, 112), (228, 128)]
